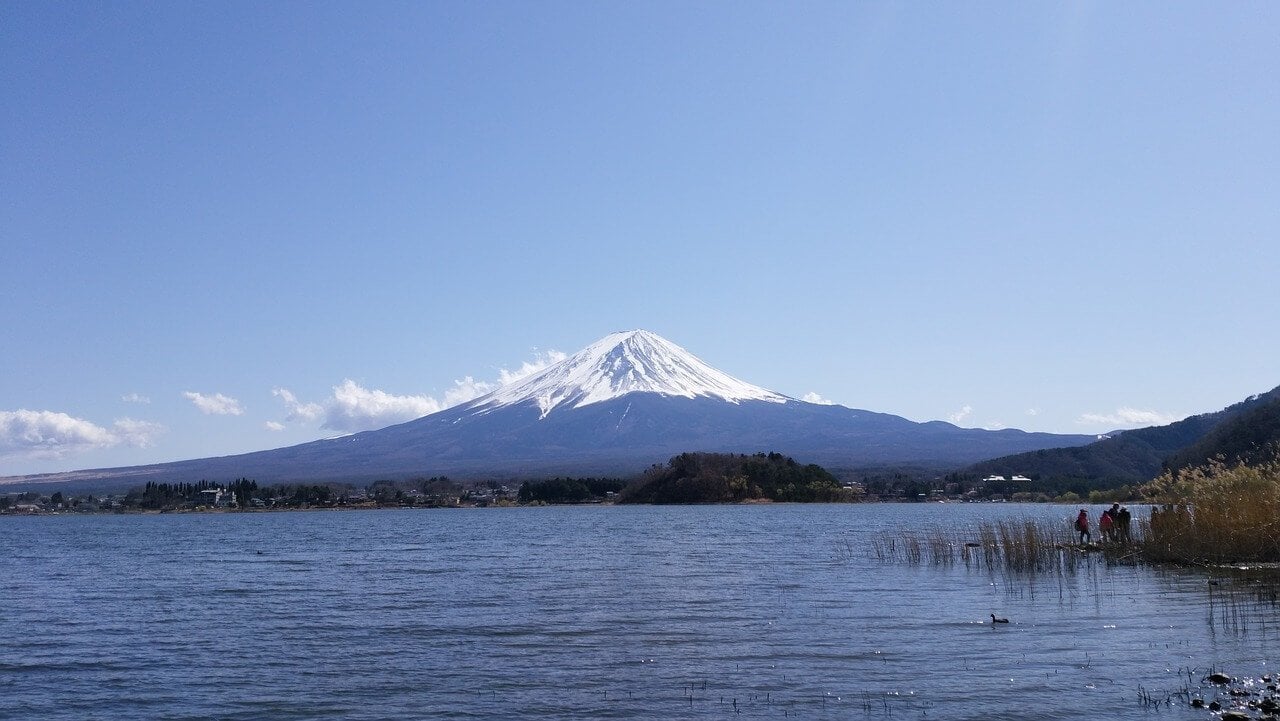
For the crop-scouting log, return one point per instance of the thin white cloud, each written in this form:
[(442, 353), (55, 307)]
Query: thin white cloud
[(135, 398), (273, 426), (993, 426), (356, 408), (540, 360), (1033, 411), (353, 407), (958, 417), (296, 410), (465, 389), (216, 404), (468, 388), (812, 397), (1125, 416), (135, 433), (50, 434)]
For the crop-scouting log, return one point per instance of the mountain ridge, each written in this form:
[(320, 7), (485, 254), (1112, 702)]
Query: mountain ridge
[(621, 404), (1237, 432), (618, 364)]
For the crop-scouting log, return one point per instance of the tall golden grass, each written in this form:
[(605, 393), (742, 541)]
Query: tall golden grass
[(1215, 514)]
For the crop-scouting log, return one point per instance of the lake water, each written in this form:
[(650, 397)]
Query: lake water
[(582, 613)]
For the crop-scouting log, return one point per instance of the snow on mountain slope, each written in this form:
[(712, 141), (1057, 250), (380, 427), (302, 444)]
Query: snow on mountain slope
[(618, 364), (622, 404)]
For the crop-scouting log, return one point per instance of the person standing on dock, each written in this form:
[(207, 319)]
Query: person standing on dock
[(1082, 525)]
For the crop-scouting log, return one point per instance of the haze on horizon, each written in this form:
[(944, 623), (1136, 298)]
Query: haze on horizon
[(236, 227)]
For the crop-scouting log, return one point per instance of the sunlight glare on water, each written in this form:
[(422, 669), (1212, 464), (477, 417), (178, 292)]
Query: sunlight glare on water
[(580, 612)]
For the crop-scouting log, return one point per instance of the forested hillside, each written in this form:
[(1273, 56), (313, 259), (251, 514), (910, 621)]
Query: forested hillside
[(728, 478), (1251, 437), (1139, 455)]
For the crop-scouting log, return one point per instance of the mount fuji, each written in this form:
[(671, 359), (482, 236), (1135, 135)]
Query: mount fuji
[(625, 402)]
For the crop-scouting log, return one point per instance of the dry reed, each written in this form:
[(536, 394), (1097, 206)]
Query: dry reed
[(1020, 545), (1216, 514)]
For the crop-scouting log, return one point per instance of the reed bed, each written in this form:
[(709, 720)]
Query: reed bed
[(1216, 514), (1208, 516), (1020, 545)]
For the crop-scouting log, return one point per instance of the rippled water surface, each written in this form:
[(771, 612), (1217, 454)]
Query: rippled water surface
[(580, 612)]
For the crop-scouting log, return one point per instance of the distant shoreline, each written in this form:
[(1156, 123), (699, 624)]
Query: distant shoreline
[(505, 506)]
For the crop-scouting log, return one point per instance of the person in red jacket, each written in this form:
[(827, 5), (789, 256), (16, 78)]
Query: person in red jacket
[(1105, 524), (1082, 525)]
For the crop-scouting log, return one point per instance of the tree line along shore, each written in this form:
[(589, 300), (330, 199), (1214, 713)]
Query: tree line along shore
[(1224, 512), (686, 478)]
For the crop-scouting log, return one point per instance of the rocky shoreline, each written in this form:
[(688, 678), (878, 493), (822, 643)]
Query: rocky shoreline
[(1233, 698)]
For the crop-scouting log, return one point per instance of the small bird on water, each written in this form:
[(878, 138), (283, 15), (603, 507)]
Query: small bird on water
[(998, 620)]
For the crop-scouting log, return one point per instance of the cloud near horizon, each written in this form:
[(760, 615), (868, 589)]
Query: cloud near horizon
[(356, 408), (353, 407), (215, 405), (959, 416), (1125, 416), (135, 398), (295, 410), (812, 397), (50, 434)]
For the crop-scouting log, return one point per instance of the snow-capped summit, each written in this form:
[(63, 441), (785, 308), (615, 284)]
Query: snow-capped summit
[(625, 402), (622, 363)]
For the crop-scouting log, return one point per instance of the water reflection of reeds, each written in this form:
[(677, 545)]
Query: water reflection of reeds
[(1211, 515), (1241, 599), (1020, 545)]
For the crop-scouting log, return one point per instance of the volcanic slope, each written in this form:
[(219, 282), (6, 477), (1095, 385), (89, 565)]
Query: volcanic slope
[(625, 402)]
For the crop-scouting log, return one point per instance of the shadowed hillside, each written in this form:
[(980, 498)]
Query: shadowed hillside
[(729, 478), (1251, 437), (1236, 432)]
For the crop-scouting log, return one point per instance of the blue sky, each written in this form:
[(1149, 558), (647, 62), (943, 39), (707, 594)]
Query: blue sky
[(235, 226)]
